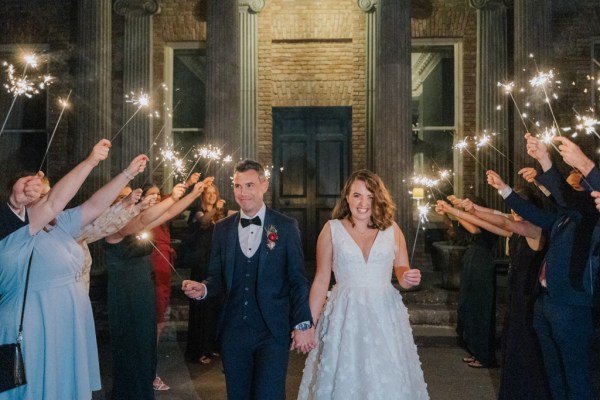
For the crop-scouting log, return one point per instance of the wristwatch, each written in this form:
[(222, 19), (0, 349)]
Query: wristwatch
[(303, 326)]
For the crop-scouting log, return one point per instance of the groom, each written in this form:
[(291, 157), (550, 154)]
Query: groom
[(256, 259)]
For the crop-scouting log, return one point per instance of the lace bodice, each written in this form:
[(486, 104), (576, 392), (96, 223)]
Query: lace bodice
[(349, 265)]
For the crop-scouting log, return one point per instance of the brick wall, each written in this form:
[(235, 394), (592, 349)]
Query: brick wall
[(312, 53)]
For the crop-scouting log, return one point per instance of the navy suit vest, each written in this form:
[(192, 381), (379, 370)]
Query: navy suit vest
[(242, 305)]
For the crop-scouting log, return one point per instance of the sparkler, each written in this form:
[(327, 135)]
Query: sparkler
[(587, 124), (464, 145), (65, 104), (423, 211), (541, 79), (485, 140), (146, 236), (141, 101), (21, 86), (508, 88)]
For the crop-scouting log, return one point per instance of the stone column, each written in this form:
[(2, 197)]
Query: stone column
[(248, 17), (223, 86), (370, 8), (92, 99), (392, 139), (531, 36), (491, 69), (136, 136)]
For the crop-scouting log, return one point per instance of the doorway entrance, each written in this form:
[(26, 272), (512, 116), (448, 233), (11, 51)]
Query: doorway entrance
[(311, 158)]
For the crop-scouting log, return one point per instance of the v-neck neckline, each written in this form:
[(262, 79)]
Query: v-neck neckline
[(365, 260)]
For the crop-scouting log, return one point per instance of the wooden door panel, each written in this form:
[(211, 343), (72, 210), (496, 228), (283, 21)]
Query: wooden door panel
[(311, 157)]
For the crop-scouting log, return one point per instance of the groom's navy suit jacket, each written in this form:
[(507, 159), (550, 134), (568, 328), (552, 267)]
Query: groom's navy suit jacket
[(281, 288)]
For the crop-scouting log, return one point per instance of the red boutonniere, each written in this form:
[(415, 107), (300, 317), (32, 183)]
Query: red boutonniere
[(271, 236)]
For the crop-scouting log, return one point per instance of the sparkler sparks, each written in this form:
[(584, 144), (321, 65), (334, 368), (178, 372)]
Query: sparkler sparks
[(141, 101), (145, 236)]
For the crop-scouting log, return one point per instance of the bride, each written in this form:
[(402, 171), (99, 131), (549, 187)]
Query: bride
[(364, 343)]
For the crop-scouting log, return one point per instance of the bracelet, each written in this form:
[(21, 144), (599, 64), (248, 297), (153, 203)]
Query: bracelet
[(127, 174)]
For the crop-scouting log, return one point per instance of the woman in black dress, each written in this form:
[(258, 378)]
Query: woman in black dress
[(202, 323), (522, 374)]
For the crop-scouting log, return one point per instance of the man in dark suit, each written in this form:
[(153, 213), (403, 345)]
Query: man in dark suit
[(256, 259)]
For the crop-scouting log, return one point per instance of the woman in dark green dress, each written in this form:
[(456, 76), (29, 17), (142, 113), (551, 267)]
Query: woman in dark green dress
[(131, 298)]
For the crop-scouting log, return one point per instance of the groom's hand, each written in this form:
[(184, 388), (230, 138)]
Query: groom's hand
[(303, 341), (193, 289)]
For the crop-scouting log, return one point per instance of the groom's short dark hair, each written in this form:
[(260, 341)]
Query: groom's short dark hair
[(247, 165)]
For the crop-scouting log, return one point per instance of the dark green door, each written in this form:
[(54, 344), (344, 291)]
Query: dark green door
[(311, 159)]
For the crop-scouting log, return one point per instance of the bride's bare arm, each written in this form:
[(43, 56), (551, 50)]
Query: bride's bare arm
[(406, 276), (320, 285)]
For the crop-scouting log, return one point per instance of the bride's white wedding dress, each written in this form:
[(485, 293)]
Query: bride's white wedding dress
[(365, 347)]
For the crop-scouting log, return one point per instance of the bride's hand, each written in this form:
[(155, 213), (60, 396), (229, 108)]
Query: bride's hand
[(412, 277)]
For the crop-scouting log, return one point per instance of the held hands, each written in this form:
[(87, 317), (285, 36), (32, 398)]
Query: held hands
[(495, 181), (193, 289), (99, 152), (303, 341)]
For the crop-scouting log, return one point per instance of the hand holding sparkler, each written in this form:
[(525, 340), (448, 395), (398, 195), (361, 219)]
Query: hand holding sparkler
[(99, 152), (573, 156), (132, 198), (25, 190), (178, 191), (147, 201), (193, 290), (495, 181), (192, 179), (537, 149), (528, 173), (138, 165), (412, 277), (596, 196)]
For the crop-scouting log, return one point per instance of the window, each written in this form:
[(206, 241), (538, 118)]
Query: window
[(185, 100), (435, 107), (23, 117)]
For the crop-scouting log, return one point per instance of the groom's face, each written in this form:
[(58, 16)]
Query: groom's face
[(249, 191)]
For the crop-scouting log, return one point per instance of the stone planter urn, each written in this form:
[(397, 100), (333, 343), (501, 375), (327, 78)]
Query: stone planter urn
[(448, 258)]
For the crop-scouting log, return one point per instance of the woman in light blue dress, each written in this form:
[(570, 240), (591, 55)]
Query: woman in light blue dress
[(59, 341)]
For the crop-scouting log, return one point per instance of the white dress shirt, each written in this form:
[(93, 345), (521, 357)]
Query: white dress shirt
[(251, 236)]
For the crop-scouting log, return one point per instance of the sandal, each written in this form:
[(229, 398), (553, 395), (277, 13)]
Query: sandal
[(205, 360), (469, 359), (158, 384), (475, 364)]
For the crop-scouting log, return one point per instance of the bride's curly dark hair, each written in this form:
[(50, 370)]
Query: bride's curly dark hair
[(383, 207)]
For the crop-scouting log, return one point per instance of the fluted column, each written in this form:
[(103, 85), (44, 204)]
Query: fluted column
[(136, 135), (532, 35), (392, 142), (491, 69), (370, 8), (223, 85), (248, 19), (92, 97)]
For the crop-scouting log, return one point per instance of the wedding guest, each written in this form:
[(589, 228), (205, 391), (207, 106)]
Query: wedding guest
[(563, 309), (364, 317), (202, 322), (476, 325), (59, 341), (131, 296), (522, 376)]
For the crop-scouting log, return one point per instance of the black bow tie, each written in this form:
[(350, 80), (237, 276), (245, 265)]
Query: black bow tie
[(249, 221)]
